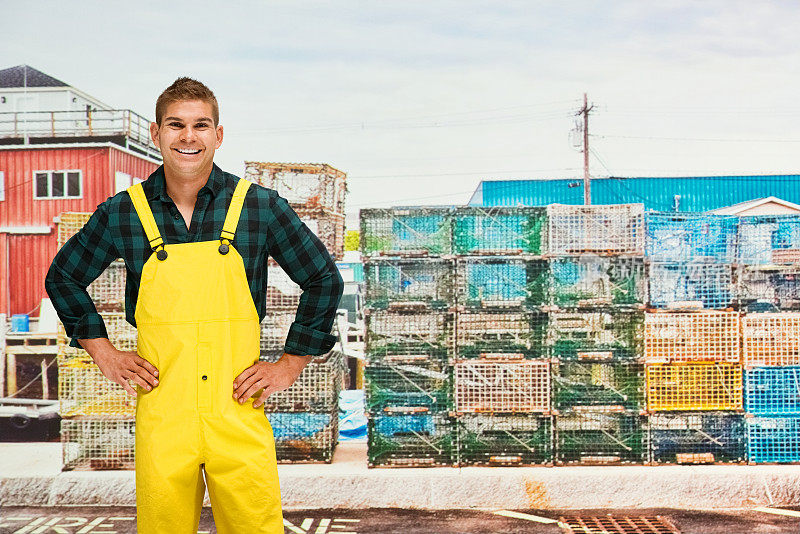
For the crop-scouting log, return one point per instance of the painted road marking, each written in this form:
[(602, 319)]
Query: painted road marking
[(322, 527), (527, 517), (777, 511)]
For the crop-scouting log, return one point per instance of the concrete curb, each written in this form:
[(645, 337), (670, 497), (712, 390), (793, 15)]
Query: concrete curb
[(348, 484)]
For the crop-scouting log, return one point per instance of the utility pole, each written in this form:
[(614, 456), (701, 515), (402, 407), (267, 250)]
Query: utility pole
[(587, 181)]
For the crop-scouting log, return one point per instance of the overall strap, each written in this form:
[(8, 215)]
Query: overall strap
[(234, 210), (145, 215)]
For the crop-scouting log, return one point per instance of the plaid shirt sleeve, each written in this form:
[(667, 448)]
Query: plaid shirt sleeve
[(309, 264), (77, 264)]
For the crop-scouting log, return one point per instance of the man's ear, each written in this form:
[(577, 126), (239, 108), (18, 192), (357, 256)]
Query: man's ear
[(219, 136), (154, 133)]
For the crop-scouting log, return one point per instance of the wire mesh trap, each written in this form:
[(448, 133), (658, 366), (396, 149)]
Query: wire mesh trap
[(509, 440), (404, 231), (685, 237), (410, 440), (687, 337), (773, 439), (614, 229), (773, 390), (409, 282), (501, 282), (713, 437), (304, 185), (499, 230), (84, 390), (595, 282), (769, 239), (483, 386), (693, 285), (304, 437), (403, 336), (771, 339), (315, 390), (598, 386), (121, 334), (500, 334), (98, 443), (600, 438), (774, 287), (424, 386), (595, 335), (694, 386)]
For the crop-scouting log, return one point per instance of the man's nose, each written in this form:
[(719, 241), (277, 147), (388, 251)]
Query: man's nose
[(188, 134)]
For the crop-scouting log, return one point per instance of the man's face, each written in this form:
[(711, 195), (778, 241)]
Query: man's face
[(187, 138)]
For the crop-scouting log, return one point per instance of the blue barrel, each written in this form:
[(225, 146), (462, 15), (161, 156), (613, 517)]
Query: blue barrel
[(19, 323)]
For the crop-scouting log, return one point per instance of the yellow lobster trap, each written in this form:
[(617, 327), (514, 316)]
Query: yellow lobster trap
[(694, 386)]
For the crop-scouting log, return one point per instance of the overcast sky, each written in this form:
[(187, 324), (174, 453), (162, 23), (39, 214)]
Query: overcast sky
[(419, 101)]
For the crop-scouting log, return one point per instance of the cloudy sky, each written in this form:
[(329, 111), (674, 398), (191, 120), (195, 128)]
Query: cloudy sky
[(420, 101)]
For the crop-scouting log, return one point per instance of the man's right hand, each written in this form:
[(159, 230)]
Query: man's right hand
[(120, 366)]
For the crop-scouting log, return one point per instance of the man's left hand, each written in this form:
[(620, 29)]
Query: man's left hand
[(271, 377)]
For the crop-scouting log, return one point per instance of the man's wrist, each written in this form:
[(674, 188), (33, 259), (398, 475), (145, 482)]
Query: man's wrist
[(297, 361)]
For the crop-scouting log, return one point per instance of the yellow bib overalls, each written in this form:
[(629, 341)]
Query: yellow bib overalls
[(198, 325)]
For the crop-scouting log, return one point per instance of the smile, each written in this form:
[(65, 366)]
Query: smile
[(187, 151)]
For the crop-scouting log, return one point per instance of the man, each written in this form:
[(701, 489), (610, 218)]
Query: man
[(195, 241)]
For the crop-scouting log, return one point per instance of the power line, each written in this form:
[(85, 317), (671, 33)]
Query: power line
[(713, 139)]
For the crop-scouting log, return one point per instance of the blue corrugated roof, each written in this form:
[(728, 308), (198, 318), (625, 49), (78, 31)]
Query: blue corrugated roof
[(696, 193)]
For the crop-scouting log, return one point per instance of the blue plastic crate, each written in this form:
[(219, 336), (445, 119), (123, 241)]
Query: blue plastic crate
[(709, 283), (773, 439), (773, 390), (678, 237), (769, 239)]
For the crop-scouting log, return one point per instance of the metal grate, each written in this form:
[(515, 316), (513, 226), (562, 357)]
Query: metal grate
[(694, 386), (773, 390), (422, 230), (593, 335), (686, 337), (694, 285), (775, 287), (98, 443), (502, 386), (683, 237), (499, 230), (497, 333), (592, 281), (416, 282), (769, 239), (501, 282), (602, 229), (403, 336), (771, 339), (617, 524)]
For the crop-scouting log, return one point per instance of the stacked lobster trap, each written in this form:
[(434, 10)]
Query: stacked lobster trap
[(97, 425), (409, 295), (304, 417), (596, 301)]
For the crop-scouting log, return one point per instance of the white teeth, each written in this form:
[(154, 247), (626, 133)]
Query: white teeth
[(187, 151)]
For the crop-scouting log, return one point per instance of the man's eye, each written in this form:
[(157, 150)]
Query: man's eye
[(176, 124), (202, 125)]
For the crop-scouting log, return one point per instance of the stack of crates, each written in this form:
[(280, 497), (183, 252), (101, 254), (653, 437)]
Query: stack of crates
[(409, 298), (596, 300), (501, 369), (769, 259), (304, 418), (97, 425)]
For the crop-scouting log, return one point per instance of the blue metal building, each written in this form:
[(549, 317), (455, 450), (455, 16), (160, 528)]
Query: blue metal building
[(688, 193)]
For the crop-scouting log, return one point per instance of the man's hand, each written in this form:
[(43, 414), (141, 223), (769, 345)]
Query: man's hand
[(272, 377), (120, 366)]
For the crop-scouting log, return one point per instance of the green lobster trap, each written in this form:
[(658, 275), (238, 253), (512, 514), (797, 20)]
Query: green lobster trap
[(504, 440), (410, 440), (409, 283), (394, 336), (392, 388), (424, 230), (501, 282), (598, 386), (592, 281), (499, 230), (500, 334), (596, 335), (600, 438)]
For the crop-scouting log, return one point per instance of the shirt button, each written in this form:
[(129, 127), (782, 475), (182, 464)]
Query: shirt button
[(177, 217), (205, 377)]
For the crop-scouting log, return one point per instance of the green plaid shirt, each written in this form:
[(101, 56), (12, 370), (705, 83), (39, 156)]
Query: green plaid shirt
[(268, 227)]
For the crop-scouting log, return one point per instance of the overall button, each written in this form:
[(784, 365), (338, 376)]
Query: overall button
[(205, 377)]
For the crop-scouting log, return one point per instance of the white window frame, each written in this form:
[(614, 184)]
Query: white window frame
[(50, 184), (2, 186)]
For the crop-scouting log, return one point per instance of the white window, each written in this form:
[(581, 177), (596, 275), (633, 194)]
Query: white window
[(122, 181), (137, 180), (58, 184), (2, 185)]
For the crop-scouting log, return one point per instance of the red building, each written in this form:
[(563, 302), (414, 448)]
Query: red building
[(60, 150)]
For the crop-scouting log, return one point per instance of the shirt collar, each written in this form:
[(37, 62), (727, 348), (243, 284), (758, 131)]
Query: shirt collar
[(156, 185)]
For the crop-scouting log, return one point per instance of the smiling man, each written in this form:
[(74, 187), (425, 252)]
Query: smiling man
[(195, 241)]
